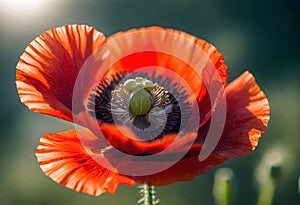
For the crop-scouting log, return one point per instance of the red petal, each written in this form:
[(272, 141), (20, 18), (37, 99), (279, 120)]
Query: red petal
[(63, 158), (123, 139), (174, 50), (48, 68), (248, 113), (184, 170)]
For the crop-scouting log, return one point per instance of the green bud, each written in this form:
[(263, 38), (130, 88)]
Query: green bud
[(130, 85), (223, 190), (140, 102)]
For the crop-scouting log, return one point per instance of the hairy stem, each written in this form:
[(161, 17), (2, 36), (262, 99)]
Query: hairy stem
[(147, 194)]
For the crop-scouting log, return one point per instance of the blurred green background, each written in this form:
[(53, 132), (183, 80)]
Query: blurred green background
[(260, 36)]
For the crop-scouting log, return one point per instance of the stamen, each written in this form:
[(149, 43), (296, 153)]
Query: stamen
[(148, 108), (100, 101)]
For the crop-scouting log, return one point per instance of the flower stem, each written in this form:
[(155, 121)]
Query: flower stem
[(147, 194), (266, 193)]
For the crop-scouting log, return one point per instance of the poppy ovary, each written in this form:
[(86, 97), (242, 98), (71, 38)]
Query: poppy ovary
[(140, 99)]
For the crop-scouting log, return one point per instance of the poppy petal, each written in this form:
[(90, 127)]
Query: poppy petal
[(184, 170), (123, 139), (248, 113), (47, 70), (174, 50), (63, 158)]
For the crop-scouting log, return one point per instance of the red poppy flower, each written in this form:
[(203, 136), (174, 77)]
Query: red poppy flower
[(153, 102)]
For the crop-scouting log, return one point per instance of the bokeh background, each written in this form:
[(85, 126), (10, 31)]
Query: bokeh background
[(262, 36)]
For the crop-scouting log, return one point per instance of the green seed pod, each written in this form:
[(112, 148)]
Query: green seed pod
[(148, 85), (130, 85), (140, 102)]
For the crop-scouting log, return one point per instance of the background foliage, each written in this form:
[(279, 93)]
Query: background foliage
[(261, 36)]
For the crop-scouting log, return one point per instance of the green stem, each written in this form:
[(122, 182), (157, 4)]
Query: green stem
[(147, 194), (266, 193)]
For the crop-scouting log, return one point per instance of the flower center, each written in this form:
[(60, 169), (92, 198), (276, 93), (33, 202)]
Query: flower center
[(149, 105), (140, 98), (140, 104)]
